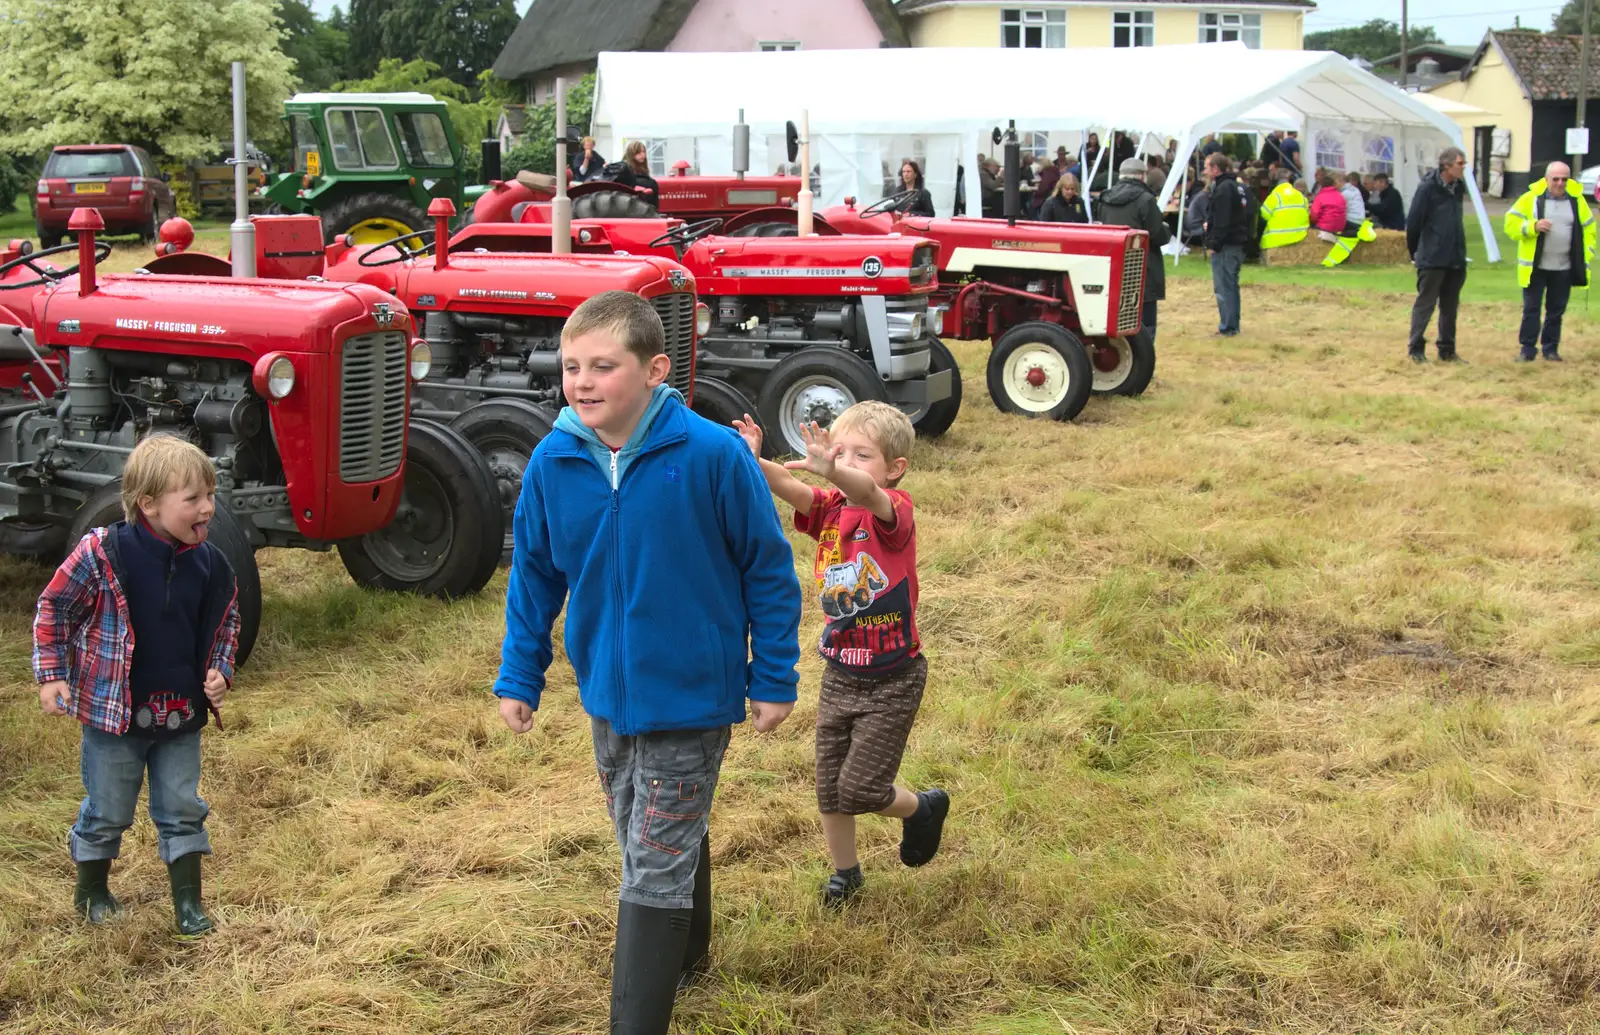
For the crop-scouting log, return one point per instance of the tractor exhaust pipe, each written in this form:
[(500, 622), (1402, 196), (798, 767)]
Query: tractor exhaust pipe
[(561, 207), (1013, 174), (741, 147), (805, 173), (242, 234)]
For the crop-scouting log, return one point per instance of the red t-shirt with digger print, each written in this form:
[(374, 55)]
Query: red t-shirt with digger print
[(866, 574)]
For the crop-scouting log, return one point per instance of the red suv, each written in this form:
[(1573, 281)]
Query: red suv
[(118, 179)]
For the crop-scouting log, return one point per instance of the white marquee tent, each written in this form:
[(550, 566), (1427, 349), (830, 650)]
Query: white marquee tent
[(869, 109)]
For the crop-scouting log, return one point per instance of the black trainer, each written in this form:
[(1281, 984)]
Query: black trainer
[(1554, 357), (1417, 357), (842, 887), (919, 841), (1526, 357), (1451, 357)]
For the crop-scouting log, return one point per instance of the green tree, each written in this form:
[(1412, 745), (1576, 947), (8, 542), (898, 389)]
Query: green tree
[(319, 48), (1569, 20), (537, 152), (365, 28), (462, 37), (1376, 39), (149, 72)]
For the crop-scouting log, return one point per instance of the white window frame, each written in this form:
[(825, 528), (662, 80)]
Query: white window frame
[(1328, 151), (778, 46), (1380, 156), (655, 156), (1044, 22), (1227, 26), (1139, 23)]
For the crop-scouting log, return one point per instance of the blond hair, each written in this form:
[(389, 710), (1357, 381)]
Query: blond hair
[(634, 321), (162, 464), (888, 428)]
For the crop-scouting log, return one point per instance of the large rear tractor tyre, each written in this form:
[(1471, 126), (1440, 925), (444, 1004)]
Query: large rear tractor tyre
[(372, 218), (1122, 366), (41, 541), (934, 420), (612, 204), (104, 509), (1040, 369), (506, 432), (766, 230), (814, 385), (446, 537)]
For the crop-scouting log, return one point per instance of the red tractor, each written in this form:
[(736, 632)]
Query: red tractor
[(798, 329), (491, 321), (299, 392)]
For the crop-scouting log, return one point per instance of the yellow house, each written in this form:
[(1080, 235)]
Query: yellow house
[(1046, 24), (1514, 101)]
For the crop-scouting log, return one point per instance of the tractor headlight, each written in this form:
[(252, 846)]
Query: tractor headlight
[(421, 359), (584, 237), (702, 319), (273, 375), (905, 326)]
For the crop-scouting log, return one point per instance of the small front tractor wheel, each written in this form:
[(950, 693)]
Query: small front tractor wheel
[(813, 385), (719, 402), (104, 509), (1040, 369), (612, 204), (1122, 366), (372, 218), (35, 540), (446, 536), (934, 420), (506, 432)]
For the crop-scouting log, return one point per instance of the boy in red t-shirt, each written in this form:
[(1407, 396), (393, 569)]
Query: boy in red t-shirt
[(866, 571)]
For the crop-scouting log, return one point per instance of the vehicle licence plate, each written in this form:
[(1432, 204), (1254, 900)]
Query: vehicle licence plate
[(88, 188)]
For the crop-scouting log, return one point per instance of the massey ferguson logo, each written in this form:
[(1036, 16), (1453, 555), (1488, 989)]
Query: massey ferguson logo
[(677, 278), (382, 315), (872, 266)]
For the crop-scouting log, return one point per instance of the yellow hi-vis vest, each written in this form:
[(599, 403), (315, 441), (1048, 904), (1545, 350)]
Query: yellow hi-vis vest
[(1521, 226), (1345, 245), (1288, 217)]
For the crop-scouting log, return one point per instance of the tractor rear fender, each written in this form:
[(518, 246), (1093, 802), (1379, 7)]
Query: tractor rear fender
[(776, 214)]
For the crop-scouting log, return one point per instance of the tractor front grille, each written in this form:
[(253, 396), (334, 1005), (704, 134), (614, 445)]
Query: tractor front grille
[(1130, 304), (677, 318), (372, 404)]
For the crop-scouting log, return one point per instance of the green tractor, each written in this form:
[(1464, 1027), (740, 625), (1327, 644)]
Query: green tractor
[(368, 164)]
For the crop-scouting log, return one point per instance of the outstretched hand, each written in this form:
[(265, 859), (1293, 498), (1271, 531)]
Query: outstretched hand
[(750, 431), (821, 453)]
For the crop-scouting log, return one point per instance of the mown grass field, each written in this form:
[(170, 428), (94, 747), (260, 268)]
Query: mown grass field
[(1267, 703)]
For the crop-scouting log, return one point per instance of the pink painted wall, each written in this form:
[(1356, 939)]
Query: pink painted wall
[(741, 24)]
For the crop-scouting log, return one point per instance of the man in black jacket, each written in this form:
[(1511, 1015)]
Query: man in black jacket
[(1226, 234), (1132, 203), (1437, 240), (1384, 205)]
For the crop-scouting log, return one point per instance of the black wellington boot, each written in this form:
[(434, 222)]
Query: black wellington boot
[(644, 975), (697, 957), (92, 897), (184, 873)]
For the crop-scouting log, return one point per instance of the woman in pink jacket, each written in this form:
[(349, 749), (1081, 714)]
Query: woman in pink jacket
[(1328, 208)]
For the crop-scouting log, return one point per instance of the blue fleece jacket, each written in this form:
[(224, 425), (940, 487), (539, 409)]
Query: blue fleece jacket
[(680, 587)]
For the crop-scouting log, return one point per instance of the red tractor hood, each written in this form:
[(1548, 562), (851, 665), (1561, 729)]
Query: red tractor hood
[(213, 315), (1016, 247), (535, 284), (890, 265)]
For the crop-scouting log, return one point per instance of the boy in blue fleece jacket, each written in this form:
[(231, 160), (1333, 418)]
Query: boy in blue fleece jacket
[(655, 527)]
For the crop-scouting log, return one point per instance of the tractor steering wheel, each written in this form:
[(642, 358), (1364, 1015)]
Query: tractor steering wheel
[(403, 253), (890, 204), (46, 274), (681, 237)]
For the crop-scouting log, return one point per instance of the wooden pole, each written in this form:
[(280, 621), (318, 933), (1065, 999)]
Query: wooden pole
[(1579, 160), (1405, 56)]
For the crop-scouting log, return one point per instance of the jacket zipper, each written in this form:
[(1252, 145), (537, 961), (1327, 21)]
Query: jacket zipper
[(616, 561)]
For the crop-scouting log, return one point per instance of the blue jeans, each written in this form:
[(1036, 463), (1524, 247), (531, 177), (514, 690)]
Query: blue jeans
[(113, 769), (1549, 290), (1225, 283), (658, 790)]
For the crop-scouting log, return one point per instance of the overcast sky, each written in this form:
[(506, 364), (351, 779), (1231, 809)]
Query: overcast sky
[(1457, 21)]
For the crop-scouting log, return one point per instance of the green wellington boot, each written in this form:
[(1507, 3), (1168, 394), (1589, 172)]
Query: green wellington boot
[(697, 955), (185, 876), (644, 976), (92, 897)]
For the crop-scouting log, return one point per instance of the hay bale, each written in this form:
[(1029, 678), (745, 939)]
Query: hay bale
[(1388, 250)]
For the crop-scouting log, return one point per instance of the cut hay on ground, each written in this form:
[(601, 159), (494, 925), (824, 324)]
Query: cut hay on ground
[(1267, 703), (1388, 250)]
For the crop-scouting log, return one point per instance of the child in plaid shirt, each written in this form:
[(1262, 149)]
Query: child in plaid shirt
[(135, 637)]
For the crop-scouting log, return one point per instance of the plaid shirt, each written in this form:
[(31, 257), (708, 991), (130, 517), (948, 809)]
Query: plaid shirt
[(83, 636)]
